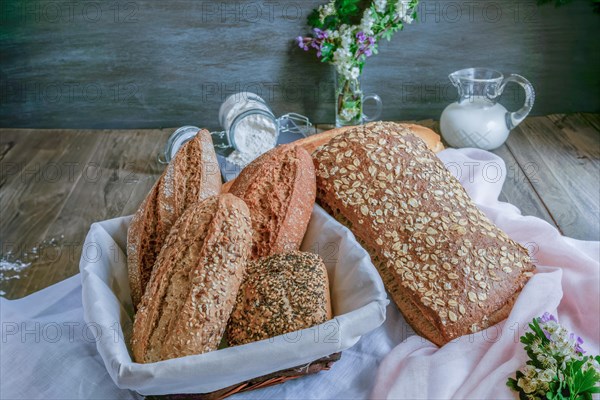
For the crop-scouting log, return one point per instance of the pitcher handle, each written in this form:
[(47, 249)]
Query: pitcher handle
[(515, 118), (379, 104)]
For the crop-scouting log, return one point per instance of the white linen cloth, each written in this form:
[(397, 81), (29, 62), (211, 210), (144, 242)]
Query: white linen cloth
[(35, 365)]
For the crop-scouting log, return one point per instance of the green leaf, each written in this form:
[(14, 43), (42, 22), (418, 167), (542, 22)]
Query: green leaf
[(314, 20), (347, 9), (535, 327), (331, 22), (585, 381), (512, 383)]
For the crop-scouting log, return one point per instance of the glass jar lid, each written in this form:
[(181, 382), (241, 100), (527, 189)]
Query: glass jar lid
[(176, 140)]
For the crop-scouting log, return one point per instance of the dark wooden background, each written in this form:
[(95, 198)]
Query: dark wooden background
[(155, 63)]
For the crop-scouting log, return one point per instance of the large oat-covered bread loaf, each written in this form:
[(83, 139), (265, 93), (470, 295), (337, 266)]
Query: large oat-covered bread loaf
[(281, 293), (279, 188), (192, 175), (448, 268), (195, 282)]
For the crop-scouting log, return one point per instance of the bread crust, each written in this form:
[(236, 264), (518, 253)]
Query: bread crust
[(431, 139), (449, 269), (195, 281), (279, 188), (192, 175), (281, 293)]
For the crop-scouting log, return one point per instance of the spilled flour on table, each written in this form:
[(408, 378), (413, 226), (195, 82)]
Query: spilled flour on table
[(13, 266), (11, 269)]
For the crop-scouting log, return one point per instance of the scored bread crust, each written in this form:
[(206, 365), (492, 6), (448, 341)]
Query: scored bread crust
[(192, 175), (449, 269), (281, 293), (195, 281), (279, 188)]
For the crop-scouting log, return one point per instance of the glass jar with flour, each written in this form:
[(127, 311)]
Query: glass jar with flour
[(250, 128), (249, 125)]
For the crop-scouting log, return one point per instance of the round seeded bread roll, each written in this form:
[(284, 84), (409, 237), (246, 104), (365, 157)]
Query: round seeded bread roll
[(281, 293)]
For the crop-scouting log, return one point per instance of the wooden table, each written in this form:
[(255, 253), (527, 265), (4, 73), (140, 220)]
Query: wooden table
[(55, 183)]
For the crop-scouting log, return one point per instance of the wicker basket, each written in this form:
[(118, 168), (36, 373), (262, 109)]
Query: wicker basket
[(322, 364)]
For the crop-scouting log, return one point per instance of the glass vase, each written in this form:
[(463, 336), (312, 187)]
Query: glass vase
[(350, 100)]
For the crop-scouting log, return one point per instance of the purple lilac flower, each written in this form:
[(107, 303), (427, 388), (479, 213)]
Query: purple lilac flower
[(368, 52), (302, 43), (361, 36), (547, 317), (578, 343), (320, 34), (371, 41)]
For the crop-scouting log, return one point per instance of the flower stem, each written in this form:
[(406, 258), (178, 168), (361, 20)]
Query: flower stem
[(341, 95)]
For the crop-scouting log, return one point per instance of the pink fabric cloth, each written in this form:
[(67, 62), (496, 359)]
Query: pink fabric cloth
[(477, 366)]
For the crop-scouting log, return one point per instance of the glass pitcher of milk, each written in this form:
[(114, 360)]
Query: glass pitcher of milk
[(477, 119)]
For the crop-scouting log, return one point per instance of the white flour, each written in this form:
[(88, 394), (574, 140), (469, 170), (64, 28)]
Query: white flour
[(11, 270), (254, 135), (12, 267)]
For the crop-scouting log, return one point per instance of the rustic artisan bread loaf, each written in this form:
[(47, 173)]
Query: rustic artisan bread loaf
[(281, 293), (279, 188), (195, 281), (192, 175), (447, 267)]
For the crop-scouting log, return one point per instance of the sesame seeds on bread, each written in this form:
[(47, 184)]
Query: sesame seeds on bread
[(281, 293)]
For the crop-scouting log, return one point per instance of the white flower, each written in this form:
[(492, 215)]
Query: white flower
[(527, 385), (326, 10), (354, 73), (403, 11), (380, 6), (366, 23), (546, 375), (349, 113), (529, 371), (347, 37)]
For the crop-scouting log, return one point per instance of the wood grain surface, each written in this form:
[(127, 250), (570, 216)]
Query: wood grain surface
[(123, 64), (55, 183)]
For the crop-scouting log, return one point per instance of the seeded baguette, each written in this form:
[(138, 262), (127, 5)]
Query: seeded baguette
[(192, 175), (281, 293), (195, 281), (279, 188), (447, 267)]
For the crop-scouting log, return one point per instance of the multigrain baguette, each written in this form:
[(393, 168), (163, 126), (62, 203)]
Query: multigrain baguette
[(192, 175), (279, 188), (281, 293), (448, 268), (195, 281)]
